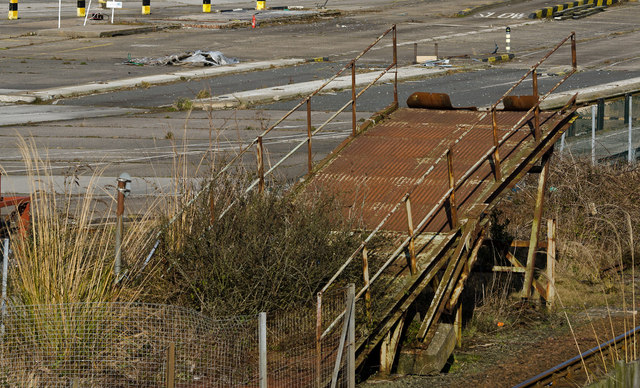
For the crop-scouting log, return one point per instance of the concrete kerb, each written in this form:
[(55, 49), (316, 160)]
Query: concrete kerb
[(278, 93), (483, 7), (101, 31), (94, 88), (547, 12), (592, 93)]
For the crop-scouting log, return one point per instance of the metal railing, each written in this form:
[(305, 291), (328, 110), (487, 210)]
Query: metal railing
[(454, 184)]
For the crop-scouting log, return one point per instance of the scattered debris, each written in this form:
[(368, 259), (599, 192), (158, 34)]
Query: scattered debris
[(437, 63), (195, 58), (96, 16)]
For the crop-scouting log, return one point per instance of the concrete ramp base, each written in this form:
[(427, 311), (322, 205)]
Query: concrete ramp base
[(432, 359)]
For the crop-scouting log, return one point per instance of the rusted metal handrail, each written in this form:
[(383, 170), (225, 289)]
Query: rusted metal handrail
[(453, 185)]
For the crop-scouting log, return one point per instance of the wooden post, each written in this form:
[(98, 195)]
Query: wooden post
[(309, 157), (389, 347), (452, 186), (365, 275), (497, 173), (551, 261), (171, 366), (535, 226), (458, 325), (412, 248), (260, 156)]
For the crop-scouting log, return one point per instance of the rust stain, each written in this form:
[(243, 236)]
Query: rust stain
[(371, 175)]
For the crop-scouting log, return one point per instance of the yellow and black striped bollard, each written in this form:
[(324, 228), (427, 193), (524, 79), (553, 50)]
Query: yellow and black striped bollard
[(146, 7), (81, 8), (261, 4), (13, 9), (206, 6)]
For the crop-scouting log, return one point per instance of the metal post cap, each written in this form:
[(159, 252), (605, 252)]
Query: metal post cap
[(124, 177)]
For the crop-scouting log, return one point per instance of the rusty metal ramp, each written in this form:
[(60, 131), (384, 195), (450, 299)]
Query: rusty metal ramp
[(427, 179)]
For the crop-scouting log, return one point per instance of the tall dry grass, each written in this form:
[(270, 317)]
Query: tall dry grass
[(63, 265)]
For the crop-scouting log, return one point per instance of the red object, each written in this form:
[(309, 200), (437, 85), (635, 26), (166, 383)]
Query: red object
[(253, 21), (22, 211)]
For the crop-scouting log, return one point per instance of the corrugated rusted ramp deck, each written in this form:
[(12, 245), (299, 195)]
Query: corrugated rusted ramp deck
[(405, 153), (377, 168)]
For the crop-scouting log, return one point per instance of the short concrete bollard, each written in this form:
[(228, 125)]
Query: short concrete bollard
[(146, 7), (80, 8), (261, 4), (206, 6), (13, 9)]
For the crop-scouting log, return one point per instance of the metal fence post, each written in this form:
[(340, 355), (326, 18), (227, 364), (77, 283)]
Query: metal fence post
[(351, 360), (353, 98), (171, 366), (631, 155), (262, 334), (319, 340), (593, 135), (5, 274), (309, 156), (123, 180)]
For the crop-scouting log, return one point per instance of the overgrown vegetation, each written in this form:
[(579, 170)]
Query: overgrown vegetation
[(266, 253), (597, 210)]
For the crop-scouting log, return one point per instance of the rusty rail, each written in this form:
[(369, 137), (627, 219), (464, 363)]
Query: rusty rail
[(570, 372), (455, 184)]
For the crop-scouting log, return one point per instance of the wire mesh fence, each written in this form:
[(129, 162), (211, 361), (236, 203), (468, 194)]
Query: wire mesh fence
[(127, 345)]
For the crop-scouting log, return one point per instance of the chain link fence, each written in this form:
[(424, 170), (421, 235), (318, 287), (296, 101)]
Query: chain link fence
[(133, 345)]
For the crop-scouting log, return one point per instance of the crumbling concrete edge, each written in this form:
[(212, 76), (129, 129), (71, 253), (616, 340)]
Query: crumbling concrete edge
[(159, 79), (483, 7)]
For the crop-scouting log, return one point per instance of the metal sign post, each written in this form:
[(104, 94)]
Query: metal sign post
[(113, 5)]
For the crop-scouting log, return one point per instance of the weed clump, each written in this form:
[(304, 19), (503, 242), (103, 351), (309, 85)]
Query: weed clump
[(266, 253)]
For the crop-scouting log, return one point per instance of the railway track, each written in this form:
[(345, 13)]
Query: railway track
[(590, 365)]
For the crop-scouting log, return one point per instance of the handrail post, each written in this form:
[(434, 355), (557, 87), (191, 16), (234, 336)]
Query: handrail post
[(259, 154), (412, 248), (574, 60), (365, 276), (536, 112), (452, 186), (395, 61), (309, 157), (353, 98), (496, 154)]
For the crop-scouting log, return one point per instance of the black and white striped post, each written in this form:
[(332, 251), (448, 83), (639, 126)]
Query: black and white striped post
[(508, 39)]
